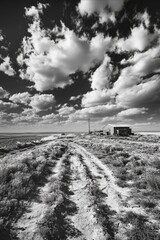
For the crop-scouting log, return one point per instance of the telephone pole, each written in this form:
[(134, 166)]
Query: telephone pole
[(89, 128)]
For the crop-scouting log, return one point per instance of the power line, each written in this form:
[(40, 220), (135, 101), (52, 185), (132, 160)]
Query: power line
[(89, 127)]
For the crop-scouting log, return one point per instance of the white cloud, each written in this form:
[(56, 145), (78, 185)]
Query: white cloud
[(4, 106), (3, 93), (96, 112), (50, 119), (42, 102), (38, 102), (98, 47), (140, 39), (143, 18), (142, 64), (106, 17), (49, 63), (28, 116), (101, 77), (24, 98), (74, 98), (97, 6), (144, 94), (49, 116), (97, 97), (6, 67), (145, 63), (5, 118), (66, 111), (1, 36), (132, 112), (35, 11)]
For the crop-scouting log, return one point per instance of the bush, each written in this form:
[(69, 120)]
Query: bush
[(156, 163), (139, 170), (117, 163), (153, 180), (147, 203), (140, 230)]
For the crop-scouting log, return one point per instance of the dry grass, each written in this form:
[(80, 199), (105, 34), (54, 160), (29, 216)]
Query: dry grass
[(140, 230), (55, 224), (20, 175), (135, 162)]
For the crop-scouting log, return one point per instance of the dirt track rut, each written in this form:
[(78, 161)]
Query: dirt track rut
[(80, 201)]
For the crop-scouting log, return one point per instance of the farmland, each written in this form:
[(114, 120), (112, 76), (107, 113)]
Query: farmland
[(81, 187)]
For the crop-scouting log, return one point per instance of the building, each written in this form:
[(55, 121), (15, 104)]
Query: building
[(118, 130)]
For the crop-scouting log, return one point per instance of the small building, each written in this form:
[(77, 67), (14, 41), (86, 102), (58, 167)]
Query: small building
[(118, 130)]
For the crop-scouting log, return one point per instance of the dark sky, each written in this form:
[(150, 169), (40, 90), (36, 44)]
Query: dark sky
[(62, 62)]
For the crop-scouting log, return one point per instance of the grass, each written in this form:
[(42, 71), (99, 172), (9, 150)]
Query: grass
[(153, 180), (102, 210), (19, 179), (140, 230), (135, 162), (55, 224)]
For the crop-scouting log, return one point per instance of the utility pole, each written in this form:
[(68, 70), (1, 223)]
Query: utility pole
[(89, 129)]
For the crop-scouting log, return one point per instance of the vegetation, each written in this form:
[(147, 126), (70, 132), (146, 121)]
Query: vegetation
[(20, 176), (135, 162)]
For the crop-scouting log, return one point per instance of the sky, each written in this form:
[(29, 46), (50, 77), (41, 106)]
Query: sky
[(63, 62)]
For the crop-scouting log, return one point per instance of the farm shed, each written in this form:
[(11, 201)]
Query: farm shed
[(118, 130)]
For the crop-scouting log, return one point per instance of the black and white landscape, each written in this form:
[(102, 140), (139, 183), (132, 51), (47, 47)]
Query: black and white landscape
[(79, 120)]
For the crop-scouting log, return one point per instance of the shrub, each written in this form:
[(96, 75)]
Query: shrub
[(139, 170), (153, 180), (117, 163), (156, 163), (147, 203), (141, 229)]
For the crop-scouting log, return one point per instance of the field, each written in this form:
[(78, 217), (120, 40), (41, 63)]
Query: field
[(80, 187)]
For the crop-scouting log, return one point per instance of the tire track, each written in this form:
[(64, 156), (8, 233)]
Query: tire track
[(105, 179), (56, 223), (113, 200), (86, 218)]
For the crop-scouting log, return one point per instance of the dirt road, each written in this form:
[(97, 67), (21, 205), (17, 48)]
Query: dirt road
[(79, 201)]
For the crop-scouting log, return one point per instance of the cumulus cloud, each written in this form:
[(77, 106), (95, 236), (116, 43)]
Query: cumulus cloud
[(4, 106), (42, 102), (97, 97), (96, 112), (27, 116), (38, 102), (143, 18), (141, 65), (98, 47), (104, 8), (99, 6), (6, 67), (35, 11), (49, 116), (5, 118), (101, 77), (3, 93), (145, 63), (1, 38), (132, 112), (144, 94), (107, 17), (66, 111), (140, 39), (49, 119), (48, 63), (74, 98), (23, 98)]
